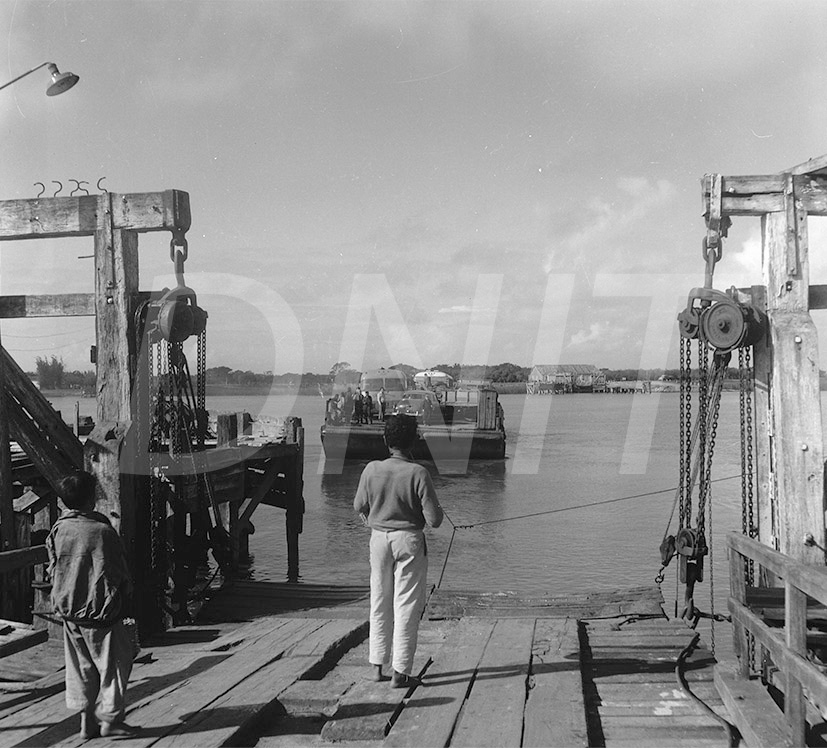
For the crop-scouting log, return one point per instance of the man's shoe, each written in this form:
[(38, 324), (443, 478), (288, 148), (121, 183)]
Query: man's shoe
[(118, 730)]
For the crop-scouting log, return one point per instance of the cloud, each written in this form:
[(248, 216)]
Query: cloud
[(607, 223), (594, 333)]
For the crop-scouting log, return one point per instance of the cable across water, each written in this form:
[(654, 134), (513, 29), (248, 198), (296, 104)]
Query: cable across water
[(603, 502)]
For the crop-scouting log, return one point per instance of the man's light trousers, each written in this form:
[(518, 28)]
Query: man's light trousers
[(398, 584)]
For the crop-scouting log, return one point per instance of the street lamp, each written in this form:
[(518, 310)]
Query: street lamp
[(60, 81)]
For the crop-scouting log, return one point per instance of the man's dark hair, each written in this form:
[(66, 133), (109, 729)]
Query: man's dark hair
[(77, 489), (400, 431)]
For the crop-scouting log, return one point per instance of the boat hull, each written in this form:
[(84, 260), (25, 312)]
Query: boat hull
[(456, 442)]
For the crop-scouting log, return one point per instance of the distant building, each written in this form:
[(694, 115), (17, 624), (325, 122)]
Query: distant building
[(563, 378)]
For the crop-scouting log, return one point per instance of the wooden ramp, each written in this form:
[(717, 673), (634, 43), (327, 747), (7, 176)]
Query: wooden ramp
[(516, 682), (633, 697)]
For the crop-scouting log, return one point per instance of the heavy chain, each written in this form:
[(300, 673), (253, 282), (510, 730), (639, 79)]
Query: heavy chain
[(703, 431), (746, 377), (157, 501), (686, 432)]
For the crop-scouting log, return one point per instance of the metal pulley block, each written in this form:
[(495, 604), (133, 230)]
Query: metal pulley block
[(179, 318), (721, 320), (175, 316), (691, 547)]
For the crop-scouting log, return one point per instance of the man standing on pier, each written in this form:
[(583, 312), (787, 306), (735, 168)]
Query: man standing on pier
[(396, 499)]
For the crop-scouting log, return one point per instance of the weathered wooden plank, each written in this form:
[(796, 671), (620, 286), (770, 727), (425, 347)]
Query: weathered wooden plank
[(20, 558), (447, 683), (666, 733), (751, 708), (788, 662), (664, 675), (166, 711), (619, 694), (643, 723), (229, 718), (48, 305), (674, 742), (16, 636), (499, 689), (810, 579), (49, 722), (555, 711), (54, 429), (83, 215), (811, 166)]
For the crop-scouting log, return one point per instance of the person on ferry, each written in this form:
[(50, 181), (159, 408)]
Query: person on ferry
[(357, 405), (380, 403), (367, 407)]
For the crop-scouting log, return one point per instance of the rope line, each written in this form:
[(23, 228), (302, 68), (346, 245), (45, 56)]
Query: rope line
[(579, 506)]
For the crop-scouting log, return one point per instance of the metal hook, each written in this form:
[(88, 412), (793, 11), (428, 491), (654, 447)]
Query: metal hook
[(57, 191), (42, 188), (79, 188), (102, 189)]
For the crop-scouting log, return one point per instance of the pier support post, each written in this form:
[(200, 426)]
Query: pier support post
[(793, 498), (6, 500)]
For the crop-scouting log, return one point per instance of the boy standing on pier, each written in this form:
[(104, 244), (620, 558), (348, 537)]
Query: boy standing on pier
[(396, 498), (90, 585)]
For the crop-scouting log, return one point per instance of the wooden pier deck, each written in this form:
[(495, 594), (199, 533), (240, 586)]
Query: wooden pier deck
[(299, 676)]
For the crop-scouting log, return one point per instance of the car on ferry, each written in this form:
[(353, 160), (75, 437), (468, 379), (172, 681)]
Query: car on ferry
[(419, 403)]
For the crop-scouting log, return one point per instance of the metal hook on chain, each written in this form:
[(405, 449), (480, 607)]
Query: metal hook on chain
[(178, 253), (78, 188), (712, 250)]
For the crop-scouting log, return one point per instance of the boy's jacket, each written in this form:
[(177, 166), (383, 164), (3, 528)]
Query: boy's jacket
[(88, 569)]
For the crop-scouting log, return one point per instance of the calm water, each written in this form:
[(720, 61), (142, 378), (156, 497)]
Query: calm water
[(564, 453)]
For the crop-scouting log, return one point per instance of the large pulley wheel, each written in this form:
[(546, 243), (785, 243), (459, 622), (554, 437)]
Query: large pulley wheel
[(724, 326)]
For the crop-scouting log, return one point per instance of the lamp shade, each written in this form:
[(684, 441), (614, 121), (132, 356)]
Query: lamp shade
[(60, 81)]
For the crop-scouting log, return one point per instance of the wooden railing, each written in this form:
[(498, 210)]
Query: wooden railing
[(22, 558), (787, 647)]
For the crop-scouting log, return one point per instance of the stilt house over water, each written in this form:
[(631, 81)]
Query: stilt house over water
[(565, 378)]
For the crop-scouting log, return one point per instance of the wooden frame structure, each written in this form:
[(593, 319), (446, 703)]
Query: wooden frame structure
[(115, 221), (790, 454), (789, 445)]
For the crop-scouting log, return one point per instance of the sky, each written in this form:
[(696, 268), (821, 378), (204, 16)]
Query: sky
[(411, 182)]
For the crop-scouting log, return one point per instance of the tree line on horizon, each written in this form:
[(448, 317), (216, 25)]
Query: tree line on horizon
[(52, 375)]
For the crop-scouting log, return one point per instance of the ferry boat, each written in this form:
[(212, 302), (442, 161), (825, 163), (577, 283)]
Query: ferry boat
[(468, 424)]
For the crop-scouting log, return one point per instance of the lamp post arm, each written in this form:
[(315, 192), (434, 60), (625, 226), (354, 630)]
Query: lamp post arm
[(28, 72)]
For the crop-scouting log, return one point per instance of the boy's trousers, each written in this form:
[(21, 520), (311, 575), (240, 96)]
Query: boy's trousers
[(398, 584), (98, 664)]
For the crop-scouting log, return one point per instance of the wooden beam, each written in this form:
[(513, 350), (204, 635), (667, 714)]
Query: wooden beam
[(53, 428), (7, 529), (48, 305), (116, 289), (751, 708), (23, 557), (796, 436), (756, 196), (51, 463), (816, 165), (85, 215)]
